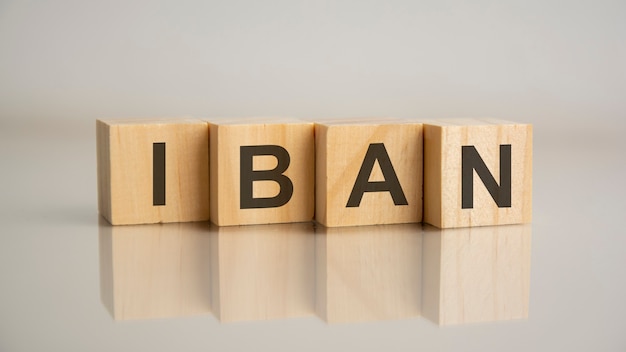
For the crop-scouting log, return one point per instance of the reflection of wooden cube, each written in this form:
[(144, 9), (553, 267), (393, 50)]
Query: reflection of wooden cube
[(368, 172), (477, 274), (368, 273), (477, 172), (262, 171), (262, 272), (153, 170), (154, 271)]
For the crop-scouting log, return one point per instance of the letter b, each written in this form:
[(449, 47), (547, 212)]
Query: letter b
[(248, 176)]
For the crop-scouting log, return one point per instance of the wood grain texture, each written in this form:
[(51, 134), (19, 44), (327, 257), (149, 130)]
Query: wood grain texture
[(125, 170), (368, 273), (443, 142), (154, 271), (262, 272), (478, 274), (341, 147), (227, 136)]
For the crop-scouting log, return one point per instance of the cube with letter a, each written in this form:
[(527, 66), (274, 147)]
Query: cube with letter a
[(153, 170), (368, 172), (477, 172), (261, 171)]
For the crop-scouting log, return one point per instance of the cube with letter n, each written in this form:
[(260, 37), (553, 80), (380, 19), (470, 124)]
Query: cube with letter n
[(368, 172), (477, 172), (262, 171)]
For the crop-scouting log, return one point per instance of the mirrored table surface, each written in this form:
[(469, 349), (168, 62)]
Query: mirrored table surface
[(72, 282)]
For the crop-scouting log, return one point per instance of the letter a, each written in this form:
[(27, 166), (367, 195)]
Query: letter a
[(376, 151)]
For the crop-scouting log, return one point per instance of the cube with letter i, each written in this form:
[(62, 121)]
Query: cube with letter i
[(261, 171), (153, 170), (477, 172), (368, 172)]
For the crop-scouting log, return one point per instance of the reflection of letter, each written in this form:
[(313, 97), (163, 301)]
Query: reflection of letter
[(476, 274), (471, 161), (248, 176), (391, 184), (262, 272), (154, 271), (368, 274)]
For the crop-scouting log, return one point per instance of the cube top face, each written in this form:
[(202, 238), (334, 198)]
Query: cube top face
[(142, 160), (364, 121), (153, 121), (463, 122), (277, 163), (477, 173), (354, 160), (256, 120)]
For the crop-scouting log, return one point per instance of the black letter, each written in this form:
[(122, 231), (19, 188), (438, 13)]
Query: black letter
[(376, 151), (247, 176), (158, 173), (471, 161)]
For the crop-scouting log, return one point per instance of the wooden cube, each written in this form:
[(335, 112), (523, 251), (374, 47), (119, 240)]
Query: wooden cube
[(477, 172), (154, 271), (262, 171), (477, 274), (262, 272), (368, 273), (153, 170), (368, 172)]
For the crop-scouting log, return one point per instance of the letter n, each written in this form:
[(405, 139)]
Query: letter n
[(470, 161)]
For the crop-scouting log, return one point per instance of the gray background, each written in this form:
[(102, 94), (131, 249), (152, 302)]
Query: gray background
[(558, 65), (536, 61)]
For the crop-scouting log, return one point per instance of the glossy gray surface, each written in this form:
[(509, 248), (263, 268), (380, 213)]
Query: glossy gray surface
[(64, 64), (50, 268)]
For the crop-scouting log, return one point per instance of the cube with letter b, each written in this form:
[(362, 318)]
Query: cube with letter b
[(153, 170), (477, 172), (368, 172), (262, 171)]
